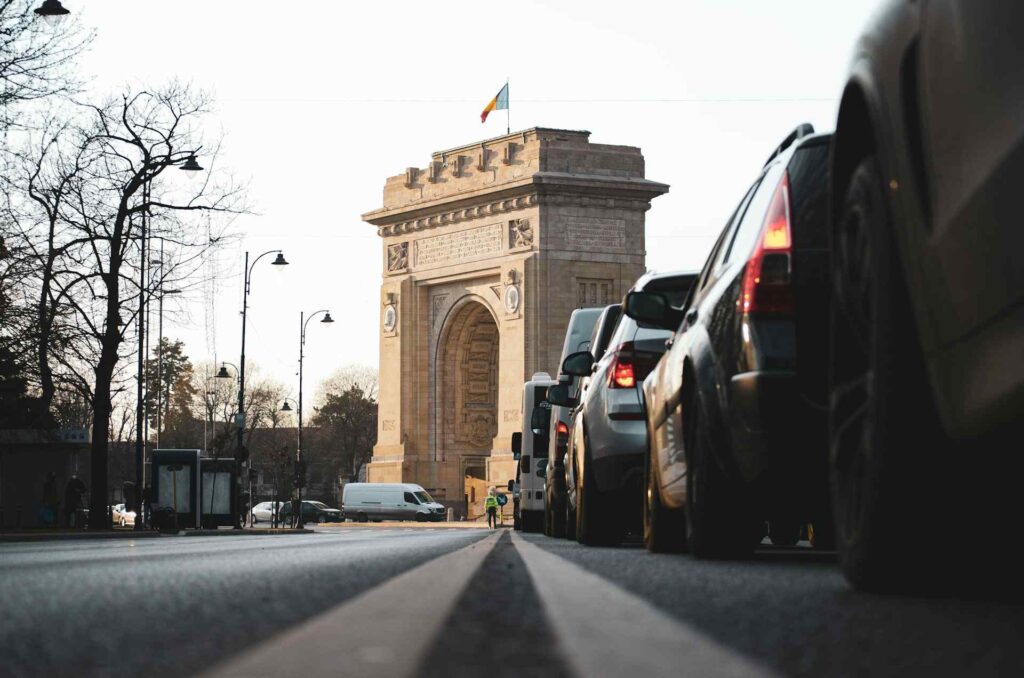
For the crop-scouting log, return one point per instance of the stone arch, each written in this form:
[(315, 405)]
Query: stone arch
[(465, 412)]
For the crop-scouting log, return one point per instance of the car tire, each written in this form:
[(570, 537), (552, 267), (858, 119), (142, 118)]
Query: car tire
[(421, 518), (718, 518), (595, 523), (886, 449), (664, 528), (362, 518)]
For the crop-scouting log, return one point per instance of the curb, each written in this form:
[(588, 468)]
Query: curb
[(84, 535), (146, 534)]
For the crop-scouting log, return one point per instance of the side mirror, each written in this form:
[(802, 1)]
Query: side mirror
[(517, 444), (559, 395), (577, 364), (652, 308), (524, 464), (511, 485)]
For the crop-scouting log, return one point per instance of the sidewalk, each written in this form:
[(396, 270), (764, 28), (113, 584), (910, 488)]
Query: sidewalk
[(412, 524)]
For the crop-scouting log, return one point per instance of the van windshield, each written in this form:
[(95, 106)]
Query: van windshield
[(424, 497)]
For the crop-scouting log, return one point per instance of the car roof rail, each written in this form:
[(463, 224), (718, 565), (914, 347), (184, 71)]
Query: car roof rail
[(802, 130)]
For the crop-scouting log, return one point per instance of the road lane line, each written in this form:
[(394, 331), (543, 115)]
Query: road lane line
[(385, 631), (603, 630)]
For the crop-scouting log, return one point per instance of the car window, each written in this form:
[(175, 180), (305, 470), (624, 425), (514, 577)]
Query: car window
[(410, 498), (424, 497), (728, 233), (753, 219)]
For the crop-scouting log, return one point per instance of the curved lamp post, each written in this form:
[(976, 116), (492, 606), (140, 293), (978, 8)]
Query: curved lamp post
[(280, 262), (52, 9), (303, 324)]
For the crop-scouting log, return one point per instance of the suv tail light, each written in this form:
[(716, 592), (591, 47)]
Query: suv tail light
[(562, 430), (621, 373), (767, 284)]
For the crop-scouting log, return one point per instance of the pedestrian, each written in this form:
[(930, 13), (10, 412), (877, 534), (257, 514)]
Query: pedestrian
[(491, 506), (48, 515), (73, 492)]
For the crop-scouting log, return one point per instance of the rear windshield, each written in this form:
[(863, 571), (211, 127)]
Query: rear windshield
[(808, 189)]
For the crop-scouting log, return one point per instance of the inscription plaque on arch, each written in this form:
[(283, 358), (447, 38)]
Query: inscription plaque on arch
[(452, 248)]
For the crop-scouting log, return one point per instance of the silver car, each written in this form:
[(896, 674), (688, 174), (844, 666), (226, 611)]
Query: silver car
[(610, 434)]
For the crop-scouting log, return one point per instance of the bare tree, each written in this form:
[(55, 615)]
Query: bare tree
[(362, 376), (119, 177)]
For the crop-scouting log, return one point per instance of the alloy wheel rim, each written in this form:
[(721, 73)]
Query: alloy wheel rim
[(852, 391)]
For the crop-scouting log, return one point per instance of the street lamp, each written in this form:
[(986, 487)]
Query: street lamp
[(242, 455), (53, 8), (52, 12), (303, 323)]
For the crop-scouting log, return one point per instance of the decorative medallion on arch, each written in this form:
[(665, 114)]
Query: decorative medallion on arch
[(468, 362)]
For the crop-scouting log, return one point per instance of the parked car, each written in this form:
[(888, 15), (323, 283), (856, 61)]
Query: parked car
[(927, 385), (389, 501), (312, 512), (602, 334), (610, 438), (122, 516), (577, 338), (736, 408), (263, 512)]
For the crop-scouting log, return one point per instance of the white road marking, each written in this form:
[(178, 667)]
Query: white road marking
[(385, 631), (605, 631)]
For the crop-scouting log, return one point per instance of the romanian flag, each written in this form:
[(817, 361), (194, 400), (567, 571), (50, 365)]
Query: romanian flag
[(498, 103)]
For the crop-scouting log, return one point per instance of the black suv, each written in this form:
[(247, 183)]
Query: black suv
[(737, 422)]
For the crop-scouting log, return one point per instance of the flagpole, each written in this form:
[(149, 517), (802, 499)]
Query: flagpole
[(508, 109)]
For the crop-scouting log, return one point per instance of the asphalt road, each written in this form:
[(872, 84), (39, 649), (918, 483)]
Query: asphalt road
[(436, 602)]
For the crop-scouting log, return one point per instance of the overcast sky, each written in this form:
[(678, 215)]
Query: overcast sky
[(320, 101)]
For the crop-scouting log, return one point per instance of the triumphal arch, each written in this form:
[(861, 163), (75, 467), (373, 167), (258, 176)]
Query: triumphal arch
[(487, 250)]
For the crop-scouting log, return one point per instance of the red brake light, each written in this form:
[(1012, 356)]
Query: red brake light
[(622, 373), (766, 279), (561, 428)]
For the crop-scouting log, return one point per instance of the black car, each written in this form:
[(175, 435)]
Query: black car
[(312, 512), (737, 419), (927, 385)]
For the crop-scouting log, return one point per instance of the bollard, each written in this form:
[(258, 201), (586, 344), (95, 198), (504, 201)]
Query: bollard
[(448, 514)]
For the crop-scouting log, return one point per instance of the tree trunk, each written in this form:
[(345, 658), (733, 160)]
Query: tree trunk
[(99, 518)]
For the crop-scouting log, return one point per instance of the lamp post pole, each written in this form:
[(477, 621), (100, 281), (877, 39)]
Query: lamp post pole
[(140, 515), (240, 417), (160, 347), (299, 469)]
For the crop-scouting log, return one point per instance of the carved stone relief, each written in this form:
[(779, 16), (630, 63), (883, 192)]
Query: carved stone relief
[(398, 257), (520, 234)]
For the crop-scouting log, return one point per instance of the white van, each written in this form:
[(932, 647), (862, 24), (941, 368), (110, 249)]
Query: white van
[(531, 448), (389, 501)]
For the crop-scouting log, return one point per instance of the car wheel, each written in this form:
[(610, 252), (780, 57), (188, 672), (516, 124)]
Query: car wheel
[(718, 520), (885, 445), (361, 518), (595, 523), (421, 518), (664, 528)]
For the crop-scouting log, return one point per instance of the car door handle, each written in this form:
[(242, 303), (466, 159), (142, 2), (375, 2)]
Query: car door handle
[(691, 316)]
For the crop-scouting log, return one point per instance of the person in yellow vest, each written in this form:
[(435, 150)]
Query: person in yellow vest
[(491, 506)]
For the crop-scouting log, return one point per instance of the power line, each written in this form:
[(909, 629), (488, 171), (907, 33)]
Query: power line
[(664, 100)]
